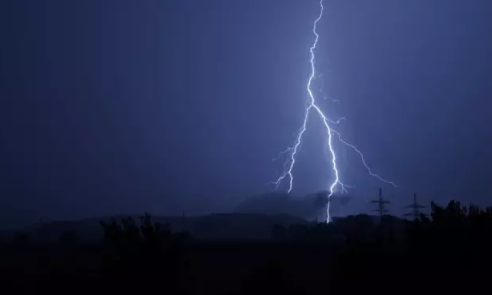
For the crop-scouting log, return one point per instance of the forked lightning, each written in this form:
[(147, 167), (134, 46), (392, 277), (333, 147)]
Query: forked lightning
[(313, 107)]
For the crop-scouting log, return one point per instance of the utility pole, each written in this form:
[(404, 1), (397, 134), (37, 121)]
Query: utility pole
[(381, 204), (415, 206)]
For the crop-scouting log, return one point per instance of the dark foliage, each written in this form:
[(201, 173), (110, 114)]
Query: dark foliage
[(446, 252), (144, 254)]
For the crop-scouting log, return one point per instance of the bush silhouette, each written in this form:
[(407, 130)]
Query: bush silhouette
[(146, 253)]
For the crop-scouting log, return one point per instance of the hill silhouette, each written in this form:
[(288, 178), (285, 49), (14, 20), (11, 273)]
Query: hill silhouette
[(309, 207), (226, 226)]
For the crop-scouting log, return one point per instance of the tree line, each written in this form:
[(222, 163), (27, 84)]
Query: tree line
[(434, 250)]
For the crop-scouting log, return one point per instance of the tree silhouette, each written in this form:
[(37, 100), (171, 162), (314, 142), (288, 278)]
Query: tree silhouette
[(144, 254)]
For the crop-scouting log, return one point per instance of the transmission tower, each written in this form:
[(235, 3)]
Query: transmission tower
[(415, 206), (381, 204)]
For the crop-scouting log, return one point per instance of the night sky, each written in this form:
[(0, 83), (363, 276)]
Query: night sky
[(168, 106)]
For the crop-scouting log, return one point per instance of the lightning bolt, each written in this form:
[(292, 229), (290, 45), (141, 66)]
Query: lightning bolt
[(331, 133)]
